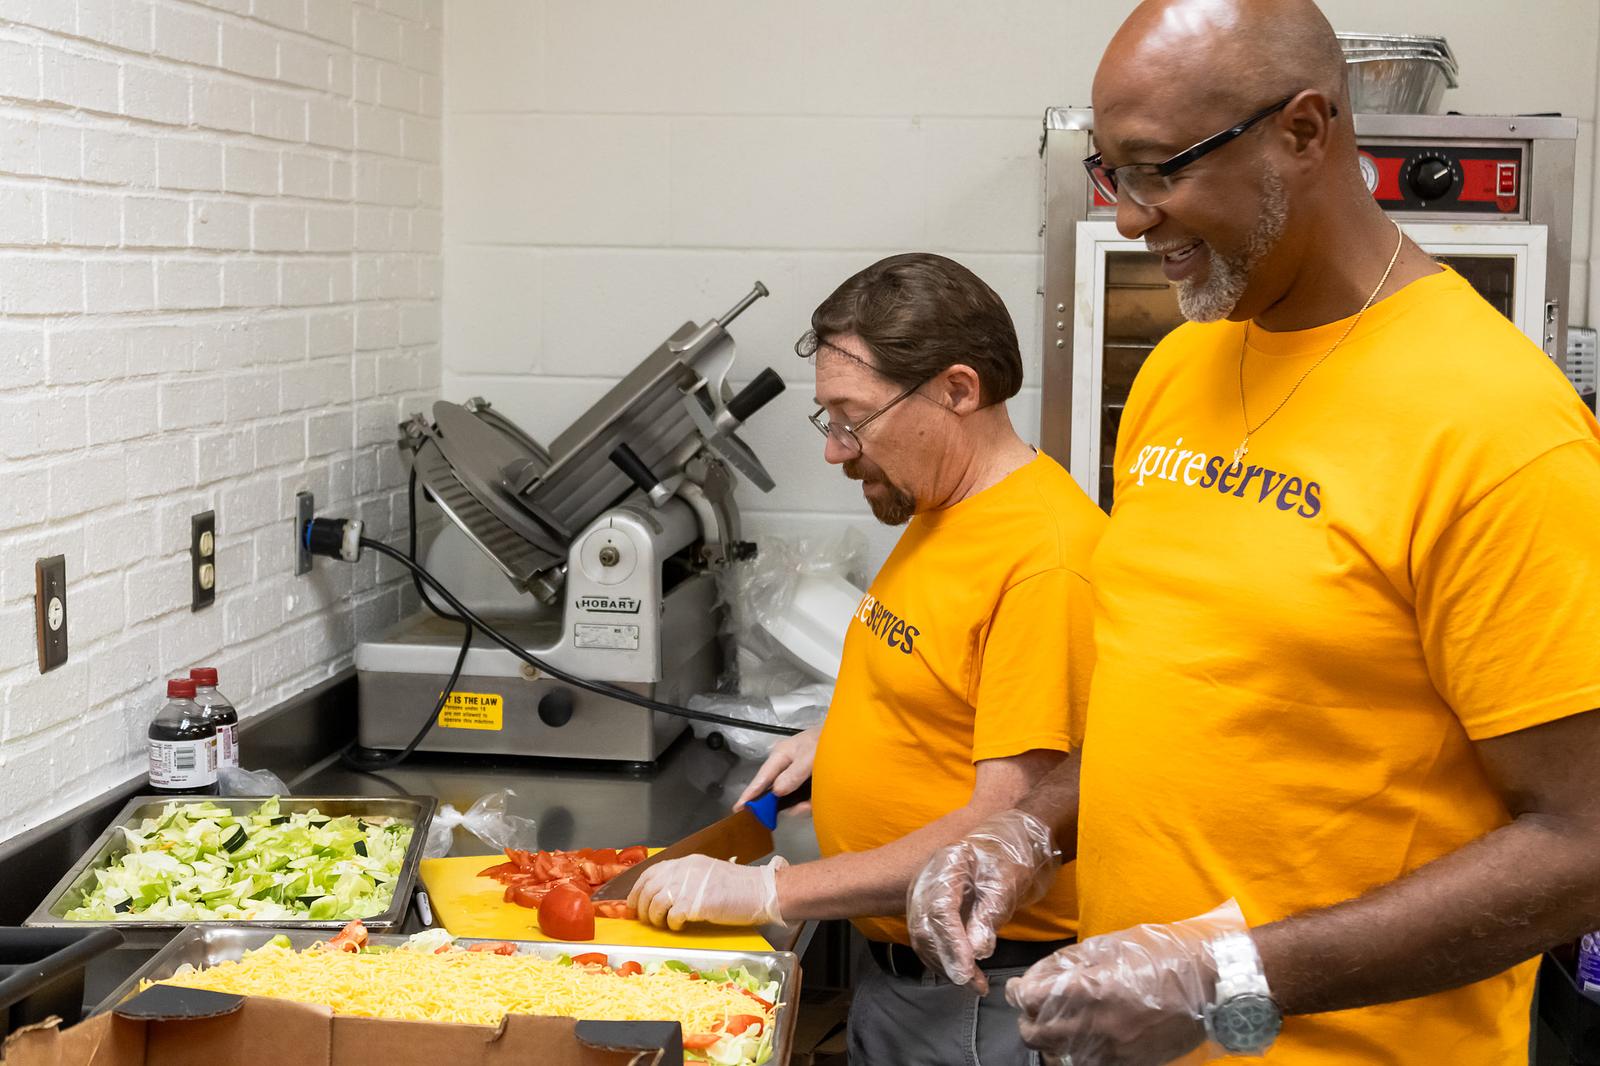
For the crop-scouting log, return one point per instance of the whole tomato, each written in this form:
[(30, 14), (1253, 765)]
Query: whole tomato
[(567, 913)]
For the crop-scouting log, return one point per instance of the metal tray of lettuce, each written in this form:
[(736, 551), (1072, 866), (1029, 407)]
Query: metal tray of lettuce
[(206, 944), (144, 932)]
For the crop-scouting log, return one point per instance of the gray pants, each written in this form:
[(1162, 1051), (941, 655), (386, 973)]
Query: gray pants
[(904, 1021)]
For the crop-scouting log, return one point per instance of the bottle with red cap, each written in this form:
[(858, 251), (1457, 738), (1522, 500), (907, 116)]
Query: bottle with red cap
[(216, 708), (183, 745)]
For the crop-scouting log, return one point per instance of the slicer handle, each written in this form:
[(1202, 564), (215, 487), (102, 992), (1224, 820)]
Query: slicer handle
[(628, 461), (738, 309), (756, 395)]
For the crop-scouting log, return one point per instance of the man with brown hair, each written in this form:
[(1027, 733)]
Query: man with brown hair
[(966, 665), (1339, 770)]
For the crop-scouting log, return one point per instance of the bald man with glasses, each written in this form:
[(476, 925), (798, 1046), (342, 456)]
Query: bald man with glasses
[(966, 666), (1337, 789)]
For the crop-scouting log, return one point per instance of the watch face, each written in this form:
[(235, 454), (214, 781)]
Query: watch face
[(1246, 1023)]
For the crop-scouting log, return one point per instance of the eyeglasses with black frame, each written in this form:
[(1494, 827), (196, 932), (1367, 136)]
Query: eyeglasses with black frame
[(1150, 184)]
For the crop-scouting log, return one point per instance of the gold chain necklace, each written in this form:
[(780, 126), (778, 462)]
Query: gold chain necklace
[(1249, 431)]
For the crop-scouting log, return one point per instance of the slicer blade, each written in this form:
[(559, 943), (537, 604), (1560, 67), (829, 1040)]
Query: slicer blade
[(520, 561)]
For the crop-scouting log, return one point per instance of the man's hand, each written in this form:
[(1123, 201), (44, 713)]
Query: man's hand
[(1134, 998), (786, 769), (698, 888), (971, 888)]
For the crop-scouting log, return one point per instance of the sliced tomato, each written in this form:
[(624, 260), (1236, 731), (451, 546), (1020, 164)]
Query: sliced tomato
[(567, 914), (494, 947), (586, 869), (504, 869), (740, 1022), (699, 1041), (350, 938), (592, 958), (526, 895), (614, 908), (764, 1004), (630, 969)]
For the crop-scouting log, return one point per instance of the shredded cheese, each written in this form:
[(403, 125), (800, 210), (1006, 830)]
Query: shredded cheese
[(474, 988)]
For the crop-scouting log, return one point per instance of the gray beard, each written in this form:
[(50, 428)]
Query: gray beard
[(1215, 298), (897, 509)]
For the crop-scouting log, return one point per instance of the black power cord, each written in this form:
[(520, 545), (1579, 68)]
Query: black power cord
[(367, 764), (372, 763), (340, 539), (598, 687)]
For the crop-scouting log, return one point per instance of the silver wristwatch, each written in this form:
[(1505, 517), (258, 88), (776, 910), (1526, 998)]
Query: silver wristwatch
[(1241, 1018)]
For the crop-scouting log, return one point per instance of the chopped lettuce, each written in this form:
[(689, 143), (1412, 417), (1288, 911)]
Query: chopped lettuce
[(190, 864), (428, 942)]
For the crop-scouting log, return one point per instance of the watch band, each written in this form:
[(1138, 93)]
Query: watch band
[(1238, 967), (1241, 1018)]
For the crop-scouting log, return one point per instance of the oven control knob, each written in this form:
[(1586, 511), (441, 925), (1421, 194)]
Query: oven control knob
[(1432, 178)]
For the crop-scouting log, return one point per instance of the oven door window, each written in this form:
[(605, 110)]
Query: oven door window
[(1140, 308)]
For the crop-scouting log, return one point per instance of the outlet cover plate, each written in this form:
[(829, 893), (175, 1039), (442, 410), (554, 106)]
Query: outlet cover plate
[(202, 535), (305, 509), (50, 609)]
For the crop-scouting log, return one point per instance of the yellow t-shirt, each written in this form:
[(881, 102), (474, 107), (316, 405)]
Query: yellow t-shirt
[(974, 642), (1293, 662)]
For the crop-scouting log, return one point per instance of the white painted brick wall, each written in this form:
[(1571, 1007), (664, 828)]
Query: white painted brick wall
[(179, 322), (603, 188)]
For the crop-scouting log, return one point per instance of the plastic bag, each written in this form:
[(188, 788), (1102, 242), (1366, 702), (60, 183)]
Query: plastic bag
[(237, 781), (767, 680), (487, 820), (800, 709), (759, 592)]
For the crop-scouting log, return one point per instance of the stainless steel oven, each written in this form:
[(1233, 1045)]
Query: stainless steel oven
[(1491, 196)]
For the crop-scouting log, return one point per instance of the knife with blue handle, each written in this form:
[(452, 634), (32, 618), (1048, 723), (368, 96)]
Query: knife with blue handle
[(744, 836)]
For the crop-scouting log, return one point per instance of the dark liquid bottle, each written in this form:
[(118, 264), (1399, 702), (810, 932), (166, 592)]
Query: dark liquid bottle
[(216, 709), (183, 745)]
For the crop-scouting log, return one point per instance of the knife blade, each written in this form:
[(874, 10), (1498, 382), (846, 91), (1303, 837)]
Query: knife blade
[(741, 835), (746, 835)]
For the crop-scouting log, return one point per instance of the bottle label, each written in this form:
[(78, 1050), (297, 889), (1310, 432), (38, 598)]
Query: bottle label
[(227, 745), (1589, 963), (183, 763)]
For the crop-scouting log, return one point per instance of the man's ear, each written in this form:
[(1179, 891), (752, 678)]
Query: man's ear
[(1306, 128), (959, 389)]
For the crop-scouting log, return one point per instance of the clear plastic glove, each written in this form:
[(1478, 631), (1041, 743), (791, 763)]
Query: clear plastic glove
[(971, 888), (786, 769), (487, 820), (1133, 998), (698, 888)]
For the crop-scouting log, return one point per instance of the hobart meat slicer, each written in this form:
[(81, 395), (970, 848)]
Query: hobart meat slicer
[(608, 543)]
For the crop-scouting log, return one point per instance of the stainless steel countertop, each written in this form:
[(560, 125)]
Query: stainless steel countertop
[(578, 805), (586, 804)]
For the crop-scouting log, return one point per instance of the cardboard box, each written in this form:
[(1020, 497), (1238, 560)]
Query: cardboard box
[(169, 1026)]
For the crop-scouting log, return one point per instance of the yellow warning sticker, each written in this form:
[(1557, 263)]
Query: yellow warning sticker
[(471, 710)]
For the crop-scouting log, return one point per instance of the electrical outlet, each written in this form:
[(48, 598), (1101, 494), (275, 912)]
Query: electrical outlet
[(305, 509), (50, 608), (203, 559)]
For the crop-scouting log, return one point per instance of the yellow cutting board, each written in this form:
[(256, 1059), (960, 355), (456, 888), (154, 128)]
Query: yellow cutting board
[(471, 906)]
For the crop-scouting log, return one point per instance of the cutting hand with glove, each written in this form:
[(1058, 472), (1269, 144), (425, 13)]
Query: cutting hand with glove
[(965, 667)]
